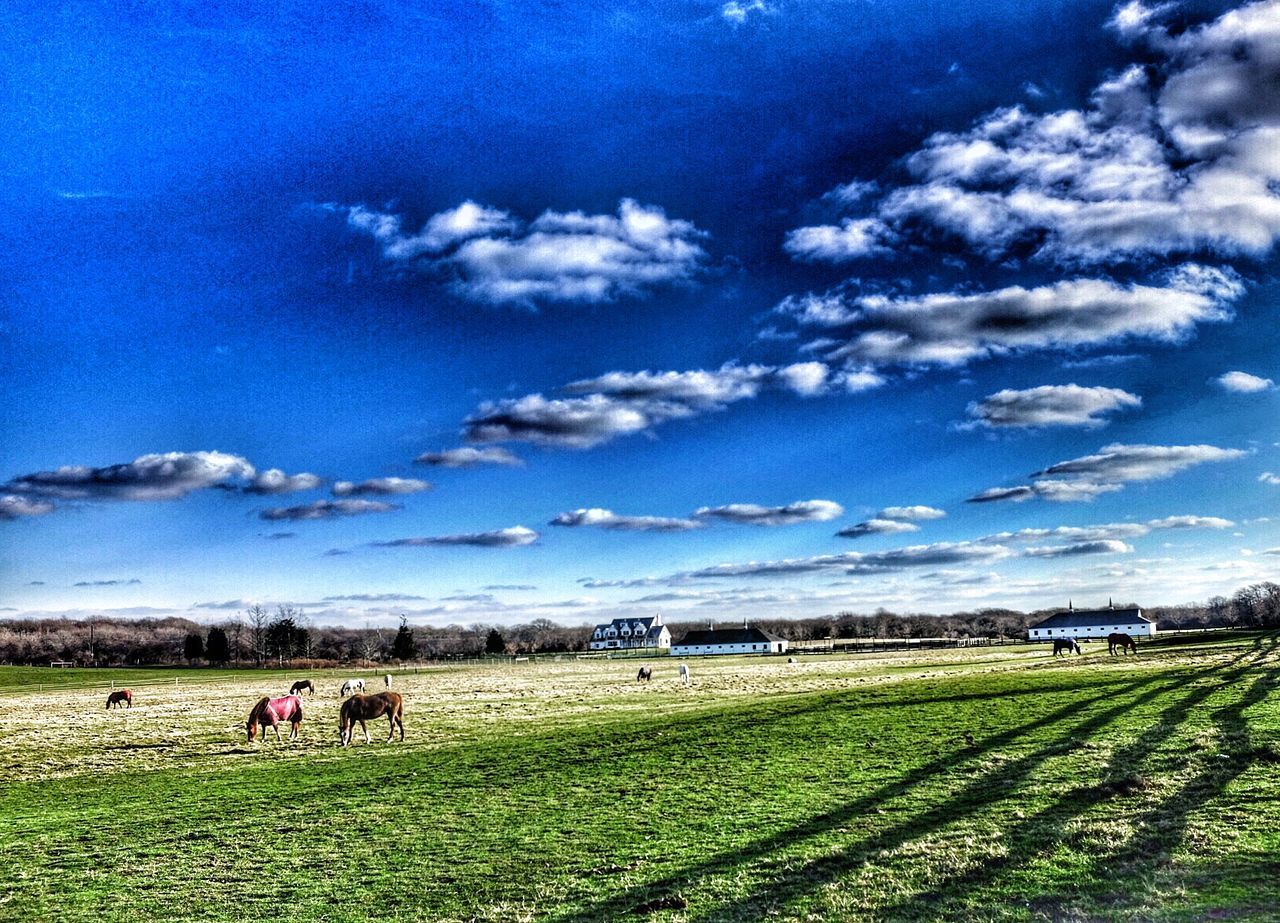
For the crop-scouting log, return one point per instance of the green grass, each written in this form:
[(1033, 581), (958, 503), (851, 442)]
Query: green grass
[(1094, 788)]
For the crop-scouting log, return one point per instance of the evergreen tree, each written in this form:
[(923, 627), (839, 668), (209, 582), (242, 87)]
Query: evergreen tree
[(193, 647), (495, 643), (216, 647), (404, 647)]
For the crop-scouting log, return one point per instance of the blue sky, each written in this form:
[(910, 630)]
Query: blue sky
[(484, 312)]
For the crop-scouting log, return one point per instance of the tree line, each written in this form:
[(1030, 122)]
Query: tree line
[(262, 637)]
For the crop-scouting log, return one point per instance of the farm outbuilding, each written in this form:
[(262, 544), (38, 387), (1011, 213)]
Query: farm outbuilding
[(711, 641), (1093, 623)]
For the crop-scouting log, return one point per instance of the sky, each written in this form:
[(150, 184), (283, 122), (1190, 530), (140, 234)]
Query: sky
[(482, 312)]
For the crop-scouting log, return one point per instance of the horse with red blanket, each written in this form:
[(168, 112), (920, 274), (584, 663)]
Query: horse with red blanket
[(270, 712)]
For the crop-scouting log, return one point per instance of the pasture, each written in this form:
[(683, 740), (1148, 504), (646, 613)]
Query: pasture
[(977, 784)]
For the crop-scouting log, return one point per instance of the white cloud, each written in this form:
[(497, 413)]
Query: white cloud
[(1104, 546), (1117, 463), (607, 519), (470, 457), (1050, 405), (326, 509), (853, 238), (1191, 522), (513, 537), (877, 527), (1056, 491), (738, 11), (1268, 477), (911, 513), (952, 329), (1173, 157), (622, 403), (14, 506), (791, 514), (1107, 471), (274, 481), (380, 487), (939, 554), (166, 476), (1243, 383), (561, 256)]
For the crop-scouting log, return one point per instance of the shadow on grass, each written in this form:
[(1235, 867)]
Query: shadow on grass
[(787, 885)]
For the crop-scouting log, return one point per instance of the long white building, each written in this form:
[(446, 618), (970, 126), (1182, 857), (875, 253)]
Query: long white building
[(711, 641), (1092, 623)]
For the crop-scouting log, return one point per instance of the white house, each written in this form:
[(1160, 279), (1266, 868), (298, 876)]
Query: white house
[(628, 634), (1092, 623), (744, 640)]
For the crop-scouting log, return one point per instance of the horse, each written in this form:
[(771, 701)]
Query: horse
[(645, 675), (684, 673), (364, 708), (271, 712), (1118, 639), (351, 686), (120, 696), (302, 685), (1065, 646), (386, 680)]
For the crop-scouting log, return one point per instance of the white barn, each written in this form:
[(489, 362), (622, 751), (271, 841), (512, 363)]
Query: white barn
[(631, 634), (711, 641), (1093, 623)]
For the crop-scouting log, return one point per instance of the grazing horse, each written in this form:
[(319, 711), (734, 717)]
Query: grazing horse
[(351, 686), (302, 685), (1065, 646), (270, 712), (684, 673), (645, 674), (364, 708), (386, 680), (120, 696), (1118, 639)]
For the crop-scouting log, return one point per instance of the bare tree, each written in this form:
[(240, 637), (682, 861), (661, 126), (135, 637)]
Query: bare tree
[(259, 621)]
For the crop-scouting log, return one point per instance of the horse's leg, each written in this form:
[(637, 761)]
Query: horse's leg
[(275, 726)]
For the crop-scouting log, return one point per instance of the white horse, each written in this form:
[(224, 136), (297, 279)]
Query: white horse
[(684, 673), (387, 679), (351, 686)]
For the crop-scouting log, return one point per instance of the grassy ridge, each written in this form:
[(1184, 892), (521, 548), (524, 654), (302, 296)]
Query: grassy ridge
[(1095, 788)]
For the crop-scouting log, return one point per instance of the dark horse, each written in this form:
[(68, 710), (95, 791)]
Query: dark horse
[(1118, 639), (364, 708), (1065, 646), (121, 696), (302, 685), (270, 712), (645, 674)]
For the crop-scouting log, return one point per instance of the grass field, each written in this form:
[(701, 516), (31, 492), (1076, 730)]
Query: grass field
[(1095, 788)]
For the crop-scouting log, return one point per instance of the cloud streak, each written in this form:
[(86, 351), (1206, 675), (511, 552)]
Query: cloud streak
[(513, 537), (326, 509)]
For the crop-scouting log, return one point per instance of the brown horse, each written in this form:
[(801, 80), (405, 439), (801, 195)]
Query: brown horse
[(1118, 639), (121, 697), (302, 685), (364, 708), (1065, 646), (270, 712)]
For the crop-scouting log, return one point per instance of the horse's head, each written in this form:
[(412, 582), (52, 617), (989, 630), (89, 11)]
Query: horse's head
[(251, 728)]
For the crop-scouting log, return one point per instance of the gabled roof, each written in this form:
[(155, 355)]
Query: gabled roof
[(707, 636), (1089, 618), (646, 621)]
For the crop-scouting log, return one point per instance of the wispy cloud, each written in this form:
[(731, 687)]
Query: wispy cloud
[(755, 515), (469, 457), (131, 581), (512, 537), (878, 527), (274, 481), (380, 487), (166, 476), (607, 519), (326, 509)]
